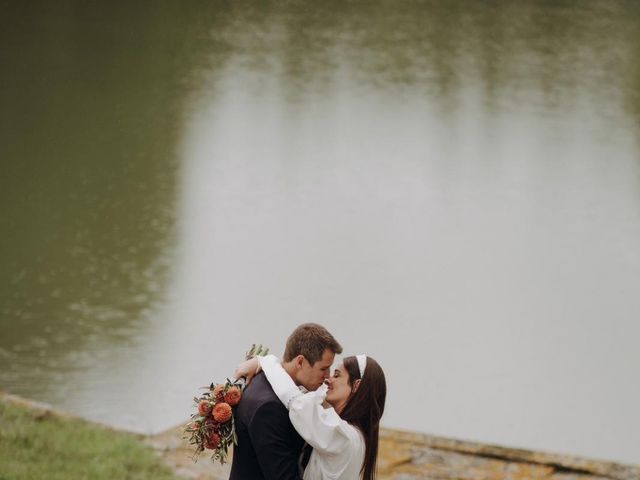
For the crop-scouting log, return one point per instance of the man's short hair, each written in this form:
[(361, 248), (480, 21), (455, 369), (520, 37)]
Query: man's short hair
[(310, 340)]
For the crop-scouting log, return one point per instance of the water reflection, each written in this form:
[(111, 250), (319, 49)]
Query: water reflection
[(451, 186), (88, 184), (447, 185)]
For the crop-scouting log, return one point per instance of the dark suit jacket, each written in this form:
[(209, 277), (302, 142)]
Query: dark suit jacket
[(268, 445)]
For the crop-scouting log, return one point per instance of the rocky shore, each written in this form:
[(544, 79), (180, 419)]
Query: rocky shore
[(409, 456), (414, 456)]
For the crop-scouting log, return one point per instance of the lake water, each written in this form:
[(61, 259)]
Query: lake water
[(451, 187)]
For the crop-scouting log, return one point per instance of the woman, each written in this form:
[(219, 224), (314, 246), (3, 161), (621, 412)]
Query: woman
[(340, 420)]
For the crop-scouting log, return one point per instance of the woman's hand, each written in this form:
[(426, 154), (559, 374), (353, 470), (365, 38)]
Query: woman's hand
[(247, 369)]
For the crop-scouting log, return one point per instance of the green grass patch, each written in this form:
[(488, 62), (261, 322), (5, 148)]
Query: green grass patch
[(37, 445)]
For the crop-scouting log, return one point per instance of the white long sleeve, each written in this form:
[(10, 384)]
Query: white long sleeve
[(322, 428), (282, 384)]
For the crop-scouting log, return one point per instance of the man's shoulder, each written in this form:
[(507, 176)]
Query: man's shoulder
[(264, 430), (259, 404), (260, 394)]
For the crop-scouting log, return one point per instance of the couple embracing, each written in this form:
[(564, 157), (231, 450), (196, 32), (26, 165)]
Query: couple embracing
[(296, 421)]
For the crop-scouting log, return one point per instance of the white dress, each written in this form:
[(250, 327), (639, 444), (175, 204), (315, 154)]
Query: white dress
[(338, 447)]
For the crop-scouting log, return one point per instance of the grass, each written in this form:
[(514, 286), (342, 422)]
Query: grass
[(40, 445)]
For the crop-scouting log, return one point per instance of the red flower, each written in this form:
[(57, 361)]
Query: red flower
[(233, 396), (222, 412), (218, 392), (210, 423), (204, 407), (212, 441)]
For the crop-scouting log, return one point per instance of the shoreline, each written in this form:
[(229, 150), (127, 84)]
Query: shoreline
[(404, 455)]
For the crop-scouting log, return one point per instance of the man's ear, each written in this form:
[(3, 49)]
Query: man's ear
[(299, 361), (356, 385)]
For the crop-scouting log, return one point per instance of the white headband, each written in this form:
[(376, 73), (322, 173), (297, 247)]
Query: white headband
[(362, 363)]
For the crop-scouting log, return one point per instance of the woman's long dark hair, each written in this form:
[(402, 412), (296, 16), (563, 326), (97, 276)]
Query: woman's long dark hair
[(365, 407)]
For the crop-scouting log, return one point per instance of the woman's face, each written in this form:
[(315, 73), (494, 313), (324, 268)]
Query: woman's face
[(339, 388)]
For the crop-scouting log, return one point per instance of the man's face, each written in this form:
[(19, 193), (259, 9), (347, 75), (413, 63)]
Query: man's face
[(312, 376)]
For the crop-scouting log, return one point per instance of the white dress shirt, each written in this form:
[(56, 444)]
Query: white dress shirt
[(338, 447)]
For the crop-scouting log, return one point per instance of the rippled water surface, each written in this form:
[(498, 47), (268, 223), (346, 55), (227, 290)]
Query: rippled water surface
[(452, 187)]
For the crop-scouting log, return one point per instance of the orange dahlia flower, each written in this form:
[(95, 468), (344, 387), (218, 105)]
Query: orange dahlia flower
[(222, 412), (204, 407), (233, 396), (218, 392)]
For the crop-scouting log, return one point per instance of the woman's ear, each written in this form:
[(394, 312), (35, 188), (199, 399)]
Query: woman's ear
[(356, 384)]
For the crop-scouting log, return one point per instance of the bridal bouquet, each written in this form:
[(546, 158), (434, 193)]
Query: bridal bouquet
[(212, 426)]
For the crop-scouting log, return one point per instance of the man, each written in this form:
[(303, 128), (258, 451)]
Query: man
[(268, 446)]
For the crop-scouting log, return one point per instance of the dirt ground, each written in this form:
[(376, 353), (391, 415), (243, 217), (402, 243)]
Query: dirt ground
[(413, 456)]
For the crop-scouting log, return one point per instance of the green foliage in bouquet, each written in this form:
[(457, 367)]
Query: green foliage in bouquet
[(256, 351), (212, 427)]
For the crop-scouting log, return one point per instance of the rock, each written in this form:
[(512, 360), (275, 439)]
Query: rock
[(409, 456), (404, 456), (412, 456)]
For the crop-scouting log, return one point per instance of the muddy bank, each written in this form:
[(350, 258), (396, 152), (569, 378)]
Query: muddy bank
[(404, 456), (413, 456)]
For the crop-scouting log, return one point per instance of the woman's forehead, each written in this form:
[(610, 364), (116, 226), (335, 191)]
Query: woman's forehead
[(340, 366)]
